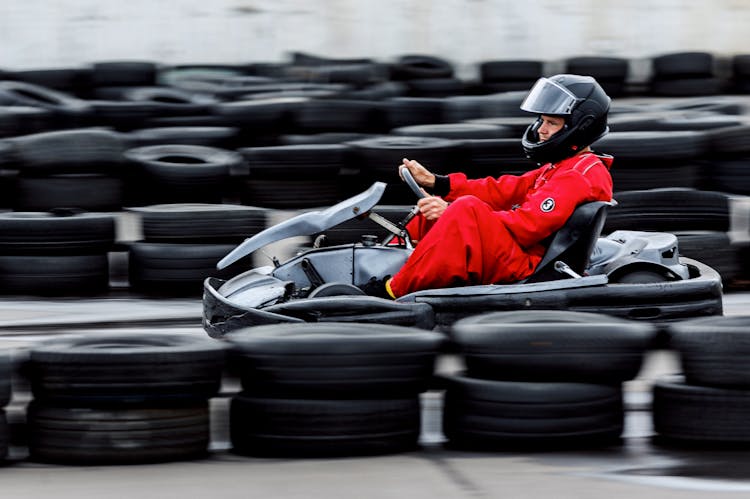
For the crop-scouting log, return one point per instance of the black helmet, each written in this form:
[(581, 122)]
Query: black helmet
[(578, 99)]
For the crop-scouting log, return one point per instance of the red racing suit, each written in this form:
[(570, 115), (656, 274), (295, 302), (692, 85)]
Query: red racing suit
[(495, 230)]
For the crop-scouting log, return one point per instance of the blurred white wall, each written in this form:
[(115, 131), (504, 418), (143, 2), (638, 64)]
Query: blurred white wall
[(62, 33)]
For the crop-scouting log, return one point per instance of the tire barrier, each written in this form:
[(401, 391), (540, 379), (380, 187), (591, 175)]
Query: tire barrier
[(177, 269), (294, 176), (119, 134), (5, 396), (122, 398), (78, 168), (684, 73), (329, 389), (541, 379), (180, 173), (200, 222), (59, 253), (706, 405), (610, 72)]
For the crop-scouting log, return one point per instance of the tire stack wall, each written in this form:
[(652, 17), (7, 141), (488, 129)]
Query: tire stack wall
[(706, 405), (122, 398), (330, 389), (542, 379)]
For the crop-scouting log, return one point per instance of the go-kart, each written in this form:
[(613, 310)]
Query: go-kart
[(631, 274)]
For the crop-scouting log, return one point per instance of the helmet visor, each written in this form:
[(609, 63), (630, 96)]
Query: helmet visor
[(548, 97)]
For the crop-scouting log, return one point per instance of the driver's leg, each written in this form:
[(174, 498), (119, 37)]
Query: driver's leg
[(468, 244)]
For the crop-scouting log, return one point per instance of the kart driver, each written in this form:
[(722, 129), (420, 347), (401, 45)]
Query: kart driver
[(496, 230)]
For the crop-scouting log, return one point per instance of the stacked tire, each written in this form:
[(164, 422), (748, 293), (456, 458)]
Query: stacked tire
[(329, 389), (610, 72), (79, 168), (741, 73), (182, 242), (178, 173), (63, 252), (684, 74), (6, 366), (293, 176), (655, 159), (542, 379), (510, 75), (708, 404), (122, 398)]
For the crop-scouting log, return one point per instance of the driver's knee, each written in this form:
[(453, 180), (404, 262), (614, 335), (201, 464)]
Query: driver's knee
[(464, 204)]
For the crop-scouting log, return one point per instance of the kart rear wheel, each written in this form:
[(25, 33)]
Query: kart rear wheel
[(640, 277)]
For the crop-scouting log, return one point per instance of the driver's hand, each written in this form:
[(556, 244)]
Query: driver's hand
[(432, 207), (421, 174)]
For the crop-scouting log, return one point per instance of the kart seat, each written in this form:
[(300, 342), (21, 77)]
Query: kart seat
[(573, 243)]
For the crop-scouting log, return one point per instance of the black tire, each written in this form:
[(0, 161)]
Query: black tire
[(412, 67), (730, 141), (183, 173), (76, 81), (669, 210), (116, 369), (365, 309), (405, 111), (6, 372), (323, 428), (70, 151), (300, 162), (516, 124), (741, 66), (294, 139), (291, 194), (687, 87), (72, 110), (200, 222), (75, 435), (632, 175), (377, 157), (455, 131), (436, 87), (69, 275), (602, 68), (57, 233), (207, 136), (4, 435), (694, 414), (124, 73), (337, 115), (266, 115), (334, 361), (546, 345), (494, 157), (84, 191), (170, 101), (673, 145), (502, 71), (177, 268), (713, 351), (490, 415), (639, 276), (21, 120), (728, 175), (683, 65)]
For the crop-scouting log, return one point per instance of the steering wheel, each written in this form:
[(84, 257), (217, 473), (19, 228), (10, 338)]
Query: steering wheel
[(413, 185)]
